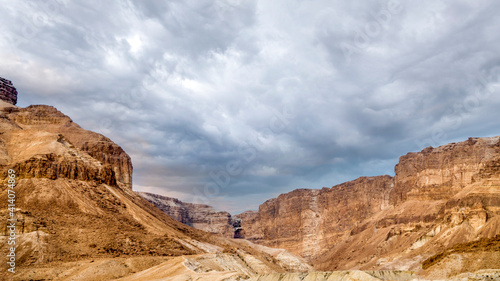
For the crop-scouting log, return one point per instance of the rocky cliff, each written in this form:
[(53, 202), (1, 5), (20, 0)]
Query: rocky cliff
[(440, 173), (64, 149), (305, 221), (78, 218), (199, 216), (439, 198), (8, 92)]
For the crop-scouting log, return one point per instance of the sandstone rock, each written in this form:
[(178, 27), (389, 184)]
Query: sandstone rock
[(8, 92), (81, 154), (439, 197), (439, 173), (199, 216), (74, 202), (305, 221), (249, 228)]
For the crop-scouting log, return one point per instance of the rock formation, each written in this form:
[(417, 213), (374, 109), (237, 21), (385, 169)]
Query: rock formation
[(305, 221), (74, 202), (199, 216), (85, 154), (7, 91), (439, 197)]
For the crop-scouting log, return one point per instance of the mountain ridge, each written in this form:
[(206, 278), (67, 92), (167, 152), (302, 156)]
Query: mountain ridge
[(439, 198), (75, 205)]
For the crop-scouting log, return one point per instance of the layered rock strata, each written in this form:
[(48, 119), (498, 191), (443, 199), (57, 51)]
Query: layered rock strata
[(80, 154), (74, 202), (199, 216), (305, 221), (8, 92), (439, 197)]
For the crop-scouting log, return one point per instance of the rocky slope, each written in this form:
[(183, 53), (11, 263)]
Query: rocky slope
[(439, 198), (199, 216), (305, 221), (74, 203)]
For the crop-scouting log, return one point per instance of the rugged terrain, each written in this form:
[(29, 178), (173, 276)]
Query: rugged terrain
[(439, 198), (438, 216), (199, 216), (79, 219)]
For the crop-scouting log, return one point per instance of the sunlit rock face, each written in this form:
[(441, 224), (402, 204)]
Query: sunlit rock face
[(439, 197)]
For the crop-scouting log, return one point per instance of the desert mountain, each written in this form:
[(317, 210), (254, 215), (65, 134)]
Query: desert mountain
[(438, 216), (79, 219), (199, 216), (441, 212)]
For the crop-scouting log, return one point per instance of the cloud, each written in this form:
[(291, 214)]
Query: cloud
[(226, 101)]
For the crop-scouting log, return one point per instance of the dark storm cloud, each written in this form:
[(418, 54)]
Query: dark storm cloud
[(231, 102)]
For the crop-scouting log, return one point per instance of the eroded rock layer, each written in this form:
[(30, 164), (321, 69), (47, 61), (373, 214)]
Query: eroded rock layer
[(8, 92), (439, 197), (199, 216), (74, 202), (63, 148), (305, 221)]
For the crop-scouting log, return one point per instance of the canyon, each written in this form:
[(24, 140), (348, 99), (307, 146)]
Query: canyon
[(199, 216), (78, 217), (439, 198)]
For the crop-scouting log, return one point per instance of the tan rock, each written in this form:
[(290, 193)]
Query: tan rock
[(199, 216), (77, 216), (439, 198)]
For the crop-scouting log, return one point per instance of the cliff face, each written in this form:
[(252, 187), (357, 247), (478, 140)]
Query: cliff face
[(305, 221), (199, 216), (8, 92), (439, 197), (64, 149), (439, 173), (73, 191), (74, 202)]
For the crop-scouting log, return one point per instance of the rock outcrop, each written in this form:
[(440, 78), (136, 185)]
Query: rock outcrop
[(64, 149), (199, 216), (8, 92), (305, 221), (440, 173), (74, 202), (439, 197)]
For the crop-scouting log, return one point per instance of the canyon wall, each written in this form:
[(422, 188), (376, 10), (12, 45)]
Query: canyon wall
[(439, 197), (199, 216), (8, 92), (305, 221), (439, 173), (77, 218)]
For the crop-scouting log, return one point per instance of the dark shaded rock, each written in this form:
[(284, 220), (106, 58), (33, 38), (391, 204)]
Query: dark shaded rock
[(8, 92)]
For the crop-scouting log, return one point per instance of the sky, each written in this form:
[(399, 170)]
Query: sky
[(233, 102)]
